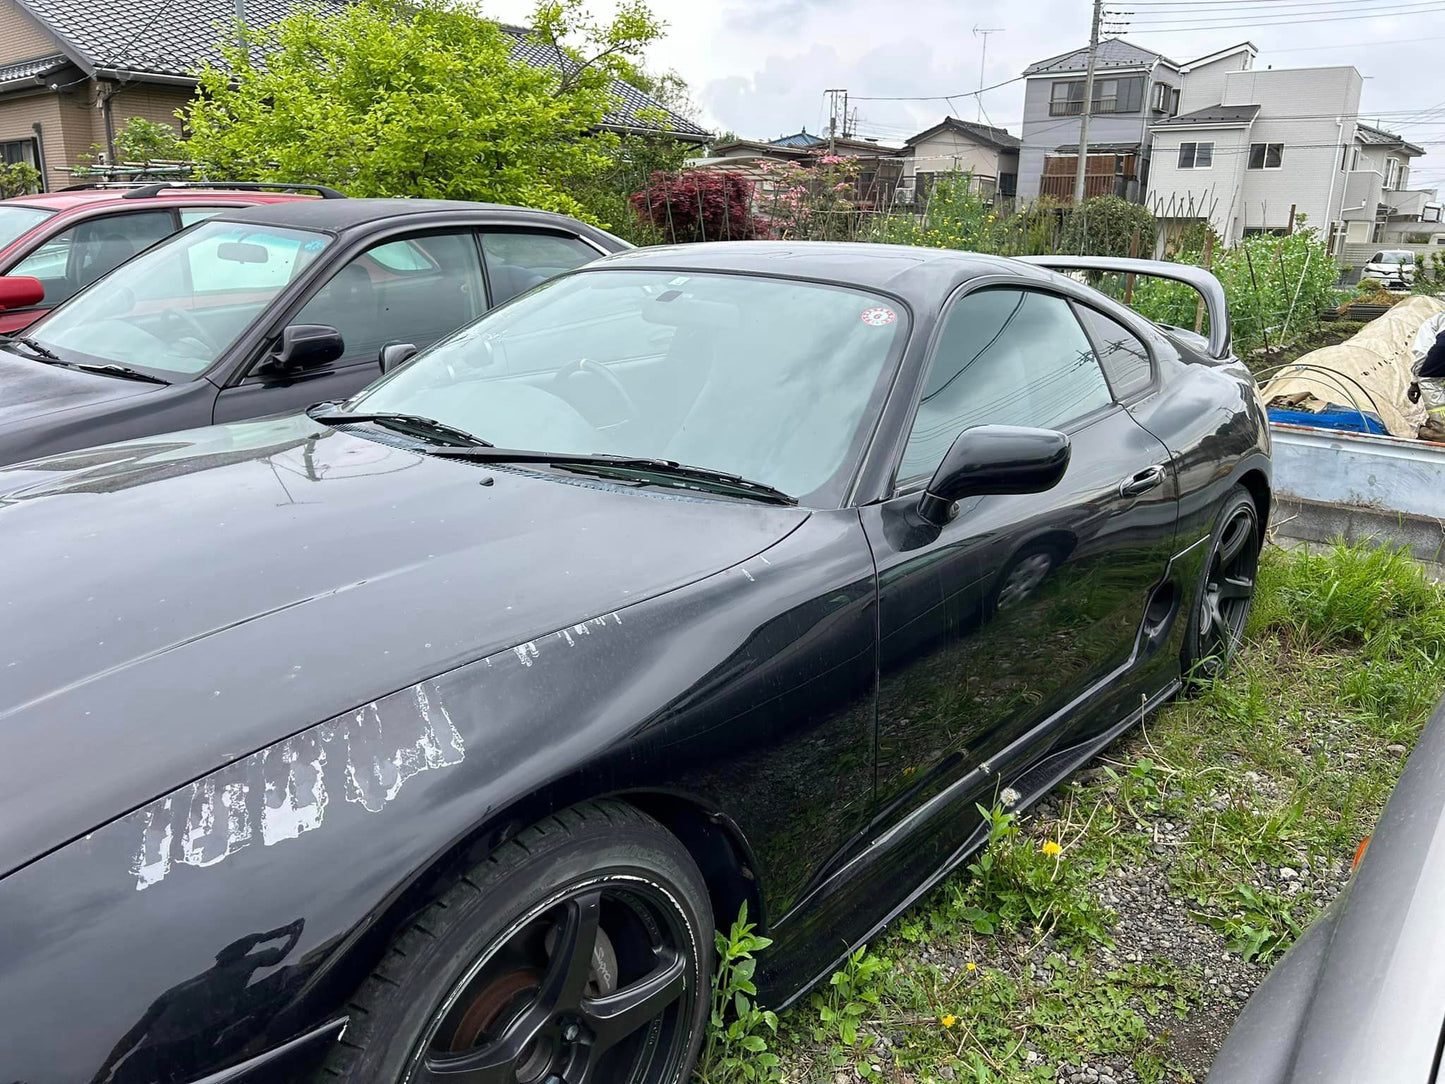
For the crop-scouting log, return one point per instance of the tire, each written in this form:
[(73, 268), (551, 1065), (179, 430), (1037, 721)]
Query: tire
[(1220, 605), (496, 970)]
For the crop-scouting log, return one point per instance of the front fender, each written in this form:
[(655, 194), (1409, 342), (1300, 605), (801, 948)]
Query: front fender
[(241, 910)]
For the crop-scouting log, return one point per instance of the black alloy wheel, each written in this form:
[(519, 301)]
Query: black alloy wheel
[(600, 976), (1227, 589)]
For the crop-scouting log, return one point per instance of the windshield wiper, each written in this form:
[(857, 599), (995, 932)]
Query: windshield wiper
[(412, 424), (42, 351), (113, 369), (625, 466)]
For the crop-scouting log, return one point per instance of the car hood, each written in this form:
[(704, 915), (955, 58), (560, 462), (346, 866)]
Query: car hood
[(171, 605), (31, 389)]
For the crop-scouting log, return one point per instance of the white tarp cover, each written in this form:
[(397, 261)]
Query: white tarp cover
[(1371, 371)]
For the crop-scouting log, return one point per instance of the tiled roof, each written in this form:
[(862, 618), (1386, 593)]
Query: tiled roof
[(797, 139), (1213, 115), (1378, 137), (1113, 53), (26, 68), (162, 37), (981, 133), (632, 104)]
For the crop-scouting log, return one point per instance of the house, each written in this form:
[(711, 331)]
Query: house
[(1259, 151), (879, 167), (990, 154), (1133, 88), (1380, 207), (72, 72)]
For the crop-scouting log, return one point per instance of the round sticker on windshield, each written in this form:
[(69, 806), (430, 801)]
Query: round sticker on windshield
[(879, 316)]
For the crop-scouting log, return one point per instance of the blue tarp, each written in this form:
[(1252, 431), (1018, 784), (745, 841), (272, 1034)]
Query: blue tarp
[(1334, 416)]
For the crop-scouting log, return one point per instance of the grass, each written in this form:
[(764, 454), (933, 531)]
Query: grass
[(1120, 925)]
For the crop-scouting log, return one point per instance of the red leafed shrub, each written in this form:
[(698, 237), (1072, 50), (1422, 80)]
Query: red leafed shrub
[(700, 205)]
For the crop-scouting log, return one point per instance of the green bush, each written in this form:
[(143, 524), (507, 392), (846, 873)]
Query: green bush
[(1105, 225)]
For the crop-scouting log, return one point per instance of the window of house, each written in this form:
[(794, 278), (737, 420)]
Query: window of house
[(1008, 357), (1165, 99), (1392, 173), (1266, 155), (1196, 155), (1066, 99), (1354, 158)]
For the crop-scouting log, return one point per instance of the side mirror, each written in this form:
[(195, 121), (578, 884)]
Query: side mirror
[(394, 354), (18, 291), (305, 346), (994, 459)]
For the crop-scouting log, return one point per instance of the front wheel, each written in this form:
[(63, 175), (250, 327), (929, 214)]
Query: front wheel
[(1226, 590), (579, 953)]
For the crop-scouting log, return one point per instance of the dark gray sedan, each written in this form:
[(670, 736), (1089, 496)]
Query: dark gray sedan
[(1361, 996), (263, 310)]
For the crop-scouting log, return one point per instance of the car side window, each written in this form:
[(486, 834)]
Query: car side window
[(76, 257), (1003, 357), (191, 215), (517, 261), (1124, 357), (412, 290)]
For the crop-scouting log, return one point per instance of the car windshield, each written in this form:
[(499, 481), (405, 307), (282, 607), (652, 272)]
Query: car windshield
[(176, 307), (16, 219), (1396, 257), (767, 378)]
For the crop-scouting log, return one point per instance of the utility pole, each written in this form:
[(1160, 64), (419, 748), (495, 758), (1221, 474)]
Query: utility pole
[(833, 113), (1088, 105), (241, 39), (983, 32)]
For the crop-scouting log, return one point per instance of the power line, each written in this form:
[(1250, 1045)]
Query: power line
[(1285, 22), (1279, 17), (933, 97), (1355, 45)]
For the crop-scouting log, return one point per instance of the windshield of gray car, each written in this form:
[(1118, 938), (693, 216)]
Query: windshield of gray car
[(16, 218), (768, 378), (175, 308)]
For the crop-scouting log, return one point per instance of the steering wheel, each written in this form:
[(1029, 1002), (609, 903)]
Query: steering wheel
[(562, 377), (195, 327)]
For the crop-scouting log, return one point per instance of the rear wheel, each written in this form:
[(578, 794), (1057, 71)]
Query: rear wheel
[(1226, 590), (579, 953)]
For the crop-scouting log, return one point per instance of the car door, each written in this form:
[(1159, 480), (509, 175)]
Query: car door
[(76, 256), (519, 259), (414, 288), (1015, 619)]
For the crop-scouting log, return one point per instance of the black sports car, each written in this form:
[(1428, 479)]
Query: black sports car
[(427, 736), (265, 309)]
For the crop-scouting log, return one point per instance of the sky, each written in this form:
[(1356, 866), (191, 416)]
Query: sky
[(760, 67)]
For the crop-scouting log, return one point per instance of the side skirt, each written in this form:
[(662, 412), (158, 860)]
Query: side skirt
[(1033, 782)]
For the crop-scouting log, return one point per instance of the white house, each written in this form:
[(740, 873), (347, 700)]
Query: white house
[(990, 154)]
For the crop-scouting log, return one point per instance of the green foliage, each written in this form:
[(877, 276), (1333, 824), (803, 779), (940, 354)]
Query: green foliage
[(850, 994), (143, 141), (738, 1033), (1276, 288), (1105, 226), (1261, 927), (18, 179), (386, 98), (603, 191), (1020, 884)]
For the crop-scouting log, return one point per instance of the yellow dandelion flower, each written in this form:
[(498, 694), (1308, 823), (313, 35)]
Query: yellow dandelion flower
[(948, 1021), (1051, 848), (972, 966)]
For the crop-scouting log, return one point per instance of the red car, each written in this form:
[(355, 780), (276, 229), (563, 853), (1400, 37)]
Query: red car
[(53, 244)]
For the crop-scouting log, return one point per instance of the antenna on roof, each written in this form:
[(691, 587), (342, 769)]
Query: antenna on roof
[(983, 32)]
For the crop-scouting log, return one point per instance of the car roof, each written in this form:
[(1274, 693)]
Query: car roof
[(902, 269), (96, 197), (344, 214)]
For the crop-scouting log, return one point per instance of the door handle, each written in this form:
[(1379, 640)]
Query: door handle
[(1142, 482)]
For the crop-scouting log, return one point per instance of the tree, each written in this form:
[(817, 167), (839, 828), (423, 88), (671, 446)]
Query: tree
[(418, 98), (700, 205), (144, 141), (1105, 225), (18, 179)]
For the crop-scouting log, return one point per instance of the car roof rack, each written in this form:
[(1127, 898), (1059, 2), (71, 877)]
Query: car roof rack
[(149, 189)]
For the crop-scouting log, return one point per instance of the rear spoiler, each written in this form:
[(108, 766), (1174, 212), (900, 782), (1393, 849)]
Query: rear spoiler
[(1202, 281)]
